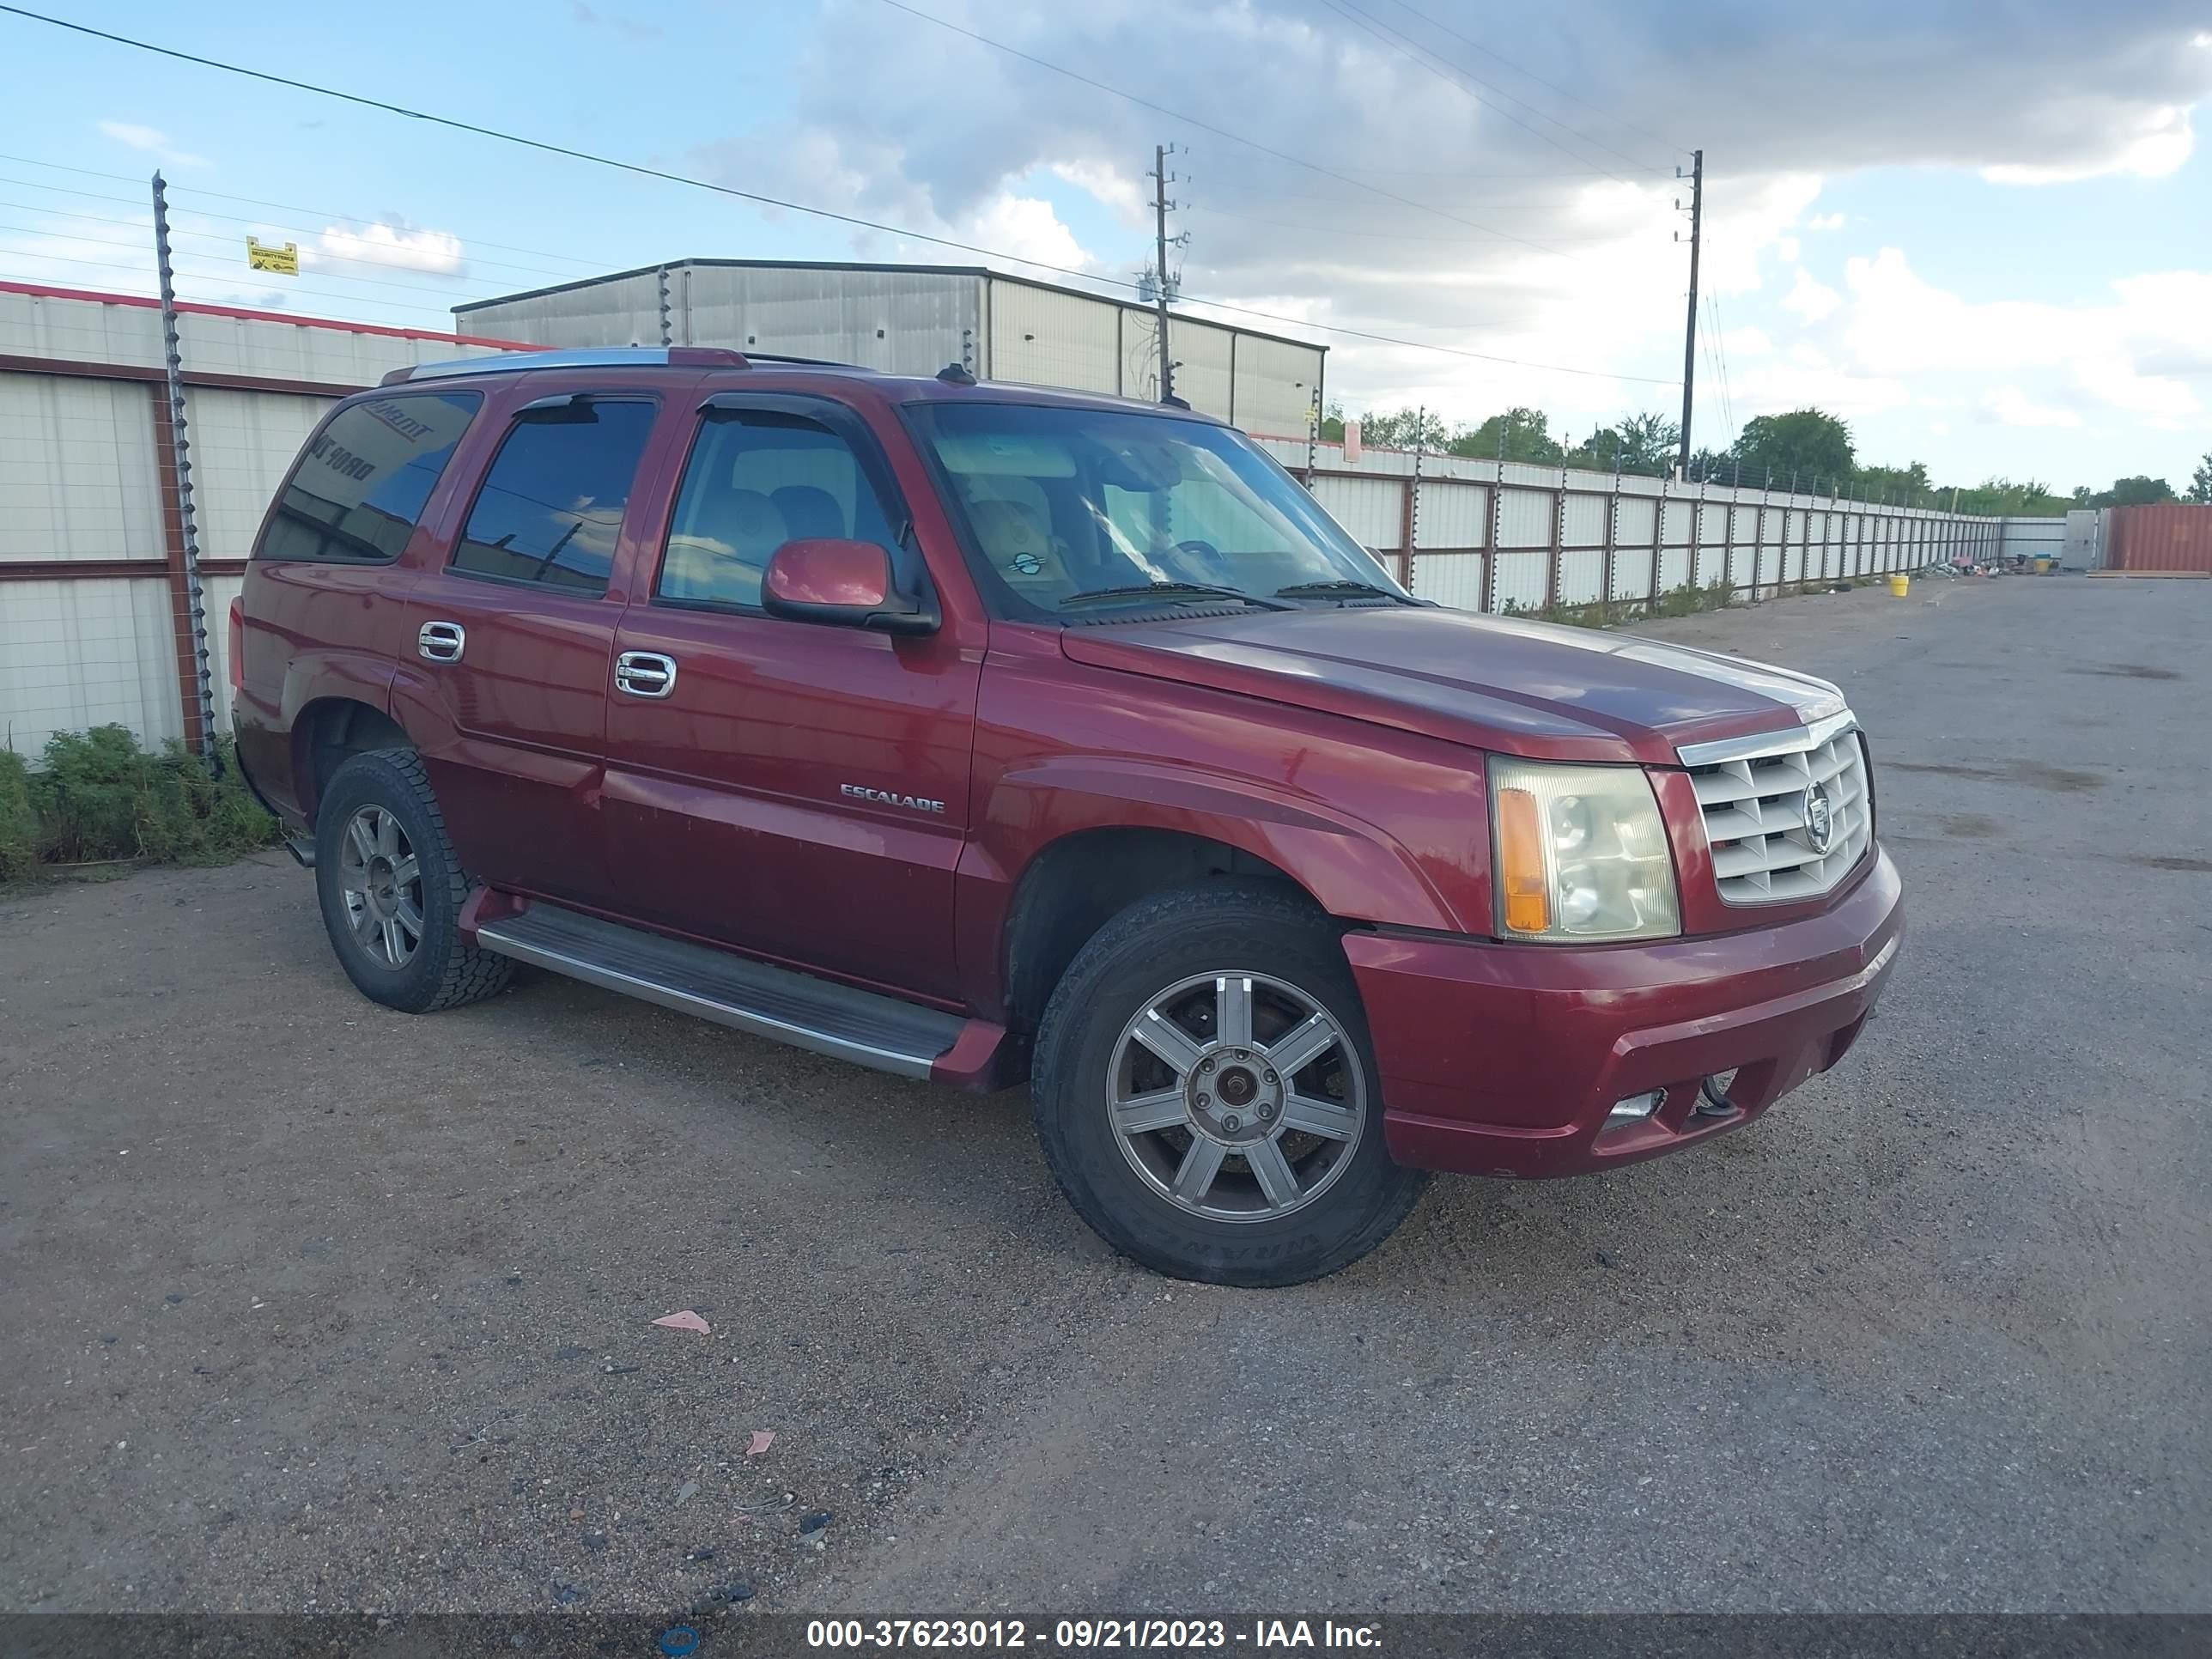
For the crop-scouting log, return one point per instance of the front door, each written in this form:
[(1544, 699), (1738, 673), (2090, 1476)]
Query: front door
[(799, 791)]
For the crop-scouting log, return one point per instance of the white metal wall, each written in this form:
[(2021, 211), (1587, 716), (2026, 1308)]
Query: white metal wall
[(2035, 538), (76, 652), (77, 477), (1275, 384), (1525, 538), (1046, 337), (1202, 369), (81, 485), (616, 311)]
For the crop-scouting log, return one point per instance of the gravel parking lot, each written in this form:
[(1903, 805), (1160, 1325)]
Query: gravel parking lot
[(308, 1305)]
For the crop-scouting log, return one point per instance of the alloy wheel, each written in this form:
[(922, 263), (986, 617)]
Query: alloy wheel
[(1236, 1096), (381, 881)]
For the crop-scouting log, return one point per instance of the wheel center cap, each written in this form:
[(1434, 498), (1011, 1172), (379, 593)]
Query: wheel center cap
[(382, 885), (1235, 1099)]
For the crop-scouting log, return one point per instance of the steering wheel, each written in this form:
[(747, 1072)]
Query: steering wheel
[(1212, 567)]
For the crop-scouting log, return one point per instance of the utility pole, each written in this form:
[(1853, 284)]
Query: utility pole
[(1160, 206), (1690, 335)]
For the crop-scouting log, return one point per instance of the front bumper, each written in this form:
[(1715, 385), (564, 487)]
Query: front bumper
[(1506, 1059)]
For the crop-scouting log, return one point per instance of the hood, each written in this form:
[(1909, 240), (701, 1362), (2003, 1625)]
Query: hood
[(1521, 688)]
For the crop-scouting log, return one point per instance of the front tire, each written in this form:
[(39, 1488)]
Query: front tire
[(1206, 1091), (391, 889)]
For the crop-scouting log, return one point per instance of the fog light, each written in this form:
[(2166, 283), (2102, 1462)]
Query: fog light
[(1634, 1110)]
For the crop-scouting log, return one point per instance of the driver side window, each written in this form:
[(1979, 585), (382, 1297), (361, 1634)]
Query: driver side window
[(756, 480)]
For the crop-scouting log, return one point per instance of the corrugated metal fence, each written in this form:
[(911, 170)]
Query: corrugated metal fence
[(1521, 539), (94, 615)]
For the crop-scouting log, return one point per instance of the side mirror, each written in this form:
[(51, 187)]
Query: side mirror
[(843, 583)]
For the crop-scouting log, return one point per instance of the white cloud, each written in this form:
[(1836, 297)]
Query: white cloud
[(1418, 217), (2131, 355), (1109, 185), (1807, 376), (2010, 406), (1027, 227), (153, 141), (2159, 142), (438, 251), (1811, 298)]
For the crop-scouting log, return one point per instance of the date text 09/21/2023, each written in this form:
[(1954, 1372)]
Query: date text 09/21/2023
[(1089, 1634)]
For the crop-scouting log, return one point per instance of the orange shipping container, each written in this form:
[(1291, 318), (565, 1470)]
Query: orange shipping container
[(2165, 538)]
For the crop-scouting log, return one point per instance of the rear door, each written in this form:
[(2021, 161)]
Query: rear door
[(509, 644), (799, 791)]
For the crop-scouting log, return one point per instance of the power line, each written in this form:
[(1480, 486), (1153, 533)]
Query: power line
[(1557, 204), (203, 235), (1243, 310), (1499, 56), (1207, 126), (1452, 75), (250, 201), (1337, 233), (262, 222), (150, 275), (544, 147), (1586, 174), (1720, 351), (640, 170)]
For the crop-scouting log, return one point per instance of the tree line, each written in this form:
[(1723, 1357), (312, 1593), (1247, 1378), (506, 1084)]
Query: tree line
[(1807, 450)]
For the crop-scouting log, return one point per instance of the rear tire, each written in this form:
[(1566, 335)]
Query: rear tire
[(1205, 1089), (391, 889)]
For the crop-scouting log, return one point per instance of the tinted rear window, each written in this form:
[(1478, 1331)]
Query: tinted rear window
[(357, 492), (551, 507)]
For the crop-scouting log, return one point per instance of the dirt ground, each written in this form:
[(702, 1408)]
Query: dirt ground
[(311, 1306)]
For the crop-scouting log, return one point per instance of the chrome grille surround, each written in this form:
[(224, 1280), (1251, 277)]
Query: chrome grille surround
[(1753, 794)]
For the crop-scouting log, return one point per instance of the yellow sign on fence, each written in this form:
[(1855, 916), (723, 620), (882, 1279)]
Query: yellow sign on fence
[(284, 260)]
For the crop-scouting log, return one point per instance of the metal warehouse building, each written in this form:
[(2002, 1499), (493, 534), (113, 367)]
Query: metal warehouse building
[(914, 319)]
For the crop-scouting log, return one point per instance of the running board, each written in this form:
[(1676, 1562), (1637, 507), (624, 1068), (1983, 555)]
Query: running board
[(806, 1013)]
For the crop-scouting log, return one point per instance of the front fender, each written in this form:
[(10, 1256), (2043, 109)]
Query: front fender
[(1349, 866)]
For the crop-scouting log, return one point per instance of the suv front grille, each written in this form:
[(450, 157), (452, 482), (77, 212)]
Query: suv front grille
[(1755, 809)]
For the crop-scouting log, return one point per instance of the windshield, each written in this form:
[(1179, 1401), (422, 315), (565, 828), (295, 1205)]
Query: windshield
[(1096, 508)]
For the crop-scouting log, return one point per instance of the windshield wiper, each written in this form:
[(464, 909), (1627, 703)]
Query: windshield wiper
[(1330, 588), (1170, 590)]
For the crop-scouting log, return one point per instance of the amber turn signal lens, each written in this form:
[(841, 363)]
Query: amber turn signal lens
[(1521, 863)]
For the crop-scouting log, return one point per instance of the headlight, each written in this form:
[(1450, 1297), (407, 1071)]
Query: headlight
[(1579, 853)]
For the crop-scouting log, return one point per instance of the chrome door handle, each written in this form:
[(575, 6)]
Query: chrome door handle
[(645, 674), (441, 642)]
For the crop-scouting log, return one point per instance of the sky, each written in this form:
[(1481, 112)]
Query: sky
[(1981, 233)]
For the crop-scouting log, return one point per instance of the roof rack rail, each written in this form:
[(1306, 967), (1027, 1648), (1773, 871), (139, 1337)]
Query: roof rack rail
[(804, 362), (509, 362)]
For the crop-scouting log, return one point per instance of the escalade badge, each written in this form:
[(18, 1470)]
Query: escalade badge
[(1820, 819), (891, 798)]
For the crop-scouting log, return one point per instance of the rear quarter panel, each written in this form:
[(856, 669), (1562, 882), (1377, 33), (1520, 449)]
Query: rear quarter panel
[(312, 631)]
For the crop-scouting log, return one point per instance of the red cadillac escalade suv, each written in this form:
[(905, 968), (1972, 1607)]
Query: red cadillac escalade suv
[(980, 733)]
